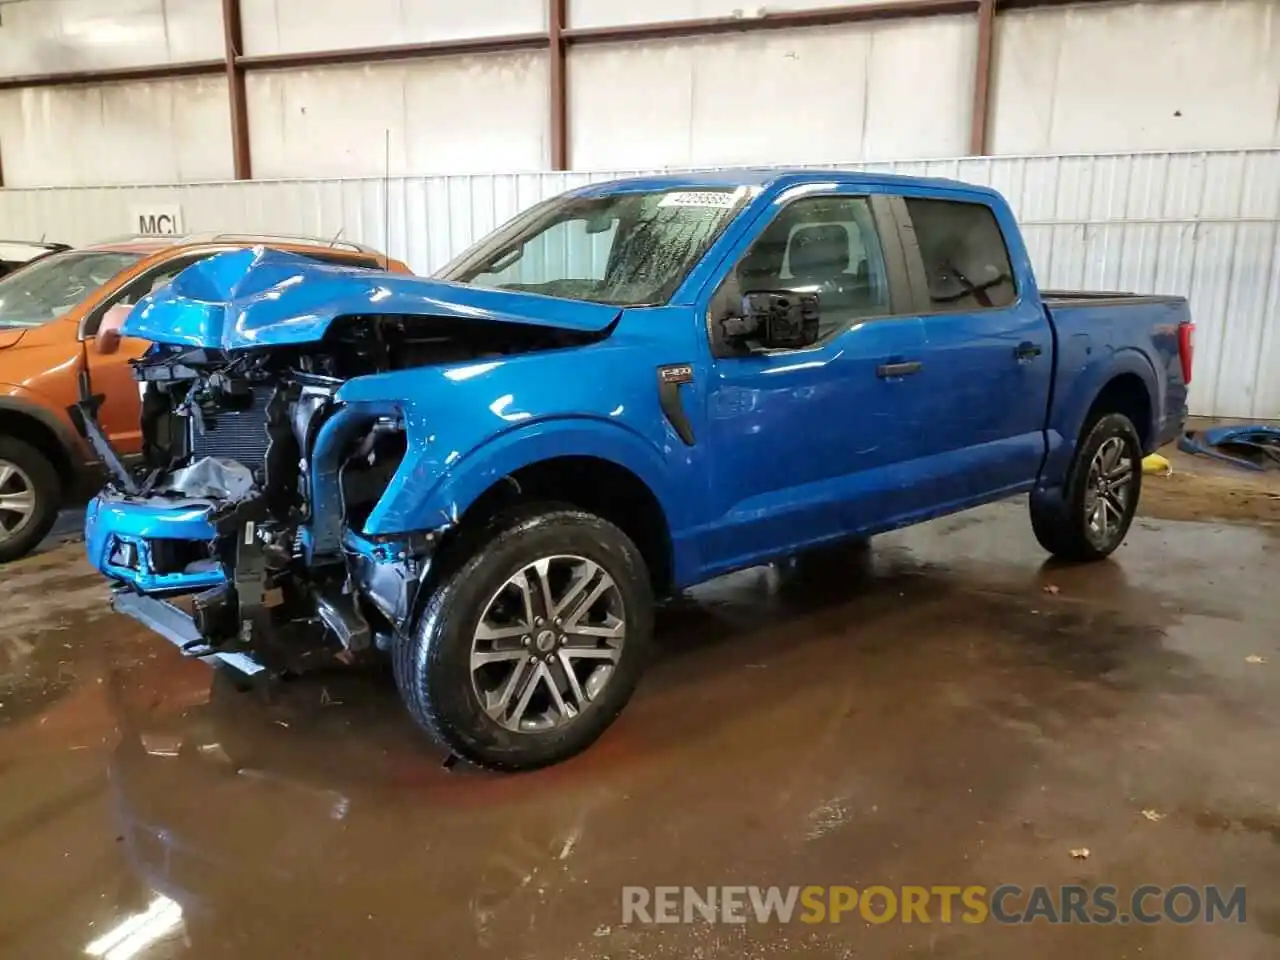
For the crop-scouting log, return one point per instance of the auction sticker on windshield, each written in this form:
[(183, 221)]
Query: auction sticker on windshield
[(722, 200)]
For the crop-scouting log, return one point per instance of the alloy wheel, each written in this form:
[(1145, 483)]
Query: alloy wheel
[(547, 643), (1108, 492), (17, 500)]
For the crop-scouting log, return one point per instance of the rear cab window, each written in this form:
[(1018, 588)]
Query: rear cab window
[(966, 262)]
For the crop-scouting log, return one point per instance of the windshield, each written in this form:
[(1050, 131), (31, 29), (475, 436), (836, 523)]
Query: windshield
[(628, 249), (49, 287)]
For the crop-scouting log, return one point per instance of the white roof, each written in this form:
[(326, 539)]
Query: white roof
[(15, 251)]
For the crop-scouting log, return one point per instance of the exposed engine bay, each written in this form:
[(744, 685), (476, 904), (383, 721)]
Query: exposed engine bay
[(289, 474)]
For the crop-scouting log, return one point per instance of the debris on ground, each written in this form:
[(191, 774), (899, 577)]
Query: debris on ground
[(1252, 446), (1080, 853), (1196, 492), (1052, 588), (1157, 465), (326, 700), (1254, 658), (1155, 816)]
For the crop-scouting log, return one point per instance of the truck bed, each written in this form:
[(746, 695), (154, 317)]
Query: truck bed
[(1092, 330), (1090, 298)]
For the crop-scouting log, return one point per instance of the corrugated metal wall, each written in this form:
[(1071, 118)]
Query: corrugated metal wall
[(859, 91), (1068, 78), (1203, 224)]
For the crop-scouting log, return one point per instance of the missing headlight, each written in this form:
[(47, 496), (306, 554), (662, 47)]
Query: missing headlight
[(366, 474)]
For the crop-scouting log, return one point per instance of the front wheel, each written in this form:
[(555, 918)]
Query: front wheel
[(530, 647), (30, 494), (1101, 496)]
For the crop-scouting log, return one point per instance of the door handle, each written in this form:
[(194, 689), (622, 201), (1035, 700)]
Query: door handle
[(1026, 350), (903, 368)]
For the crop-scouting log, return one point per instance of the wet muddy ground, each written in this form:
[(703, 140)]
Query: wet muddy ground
[(946, 708)]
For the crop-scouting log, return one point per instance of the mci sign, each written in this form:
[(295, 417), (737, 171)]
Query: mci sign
[(156, 220)]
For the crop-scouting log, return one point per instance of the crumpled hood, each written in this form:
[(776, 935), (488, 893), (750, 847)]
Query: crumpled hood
[(265, 298)]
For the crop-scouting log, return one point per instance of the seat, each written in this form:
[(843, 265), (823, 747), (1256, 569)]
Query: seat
[(819, 258), (819, 254)]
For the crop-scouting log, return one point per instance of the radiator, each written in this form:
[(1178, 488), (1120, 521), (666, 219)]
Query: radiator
[(235, 435)]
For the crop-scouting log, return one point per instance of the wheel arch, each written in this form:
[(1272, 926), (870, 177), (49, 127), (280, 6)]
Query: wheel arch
[(34, 425), (1123, 381), (1129, 393), (605, 470)]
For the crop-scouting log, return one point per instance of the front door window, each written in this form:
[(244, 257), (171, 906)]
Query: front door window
[(826, 246)]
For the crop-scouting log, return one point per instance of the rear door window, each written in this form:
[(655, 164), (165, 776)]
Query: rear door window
[(966, 262)]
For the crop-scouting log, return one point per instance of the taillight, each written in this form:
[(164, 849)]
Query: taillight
[(1186, 348)]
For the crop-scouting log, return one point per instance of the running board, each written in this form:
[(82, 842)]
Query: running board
[(178, 628)]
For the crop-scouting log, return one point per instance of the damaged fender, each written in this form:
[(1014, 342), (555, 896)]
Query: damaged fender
[(482, 421)]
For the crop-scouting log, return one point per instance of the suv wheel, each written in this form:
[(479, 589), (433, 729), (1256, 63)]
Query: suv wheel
[(1101, 496), (30, 494), (530, 647)]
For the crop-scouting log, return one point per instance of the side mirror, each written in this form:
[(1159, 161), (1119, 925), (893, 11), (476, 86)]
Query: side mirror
[(107, 340), (775, 319)]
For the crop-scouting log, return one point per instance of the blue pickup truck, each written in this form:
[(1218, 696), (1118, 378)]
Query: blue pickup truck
[(492, 476)]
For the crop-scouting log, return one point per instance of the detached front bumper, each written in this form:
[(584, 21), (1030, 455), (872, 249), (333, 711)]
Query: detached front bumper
[(126, 537)]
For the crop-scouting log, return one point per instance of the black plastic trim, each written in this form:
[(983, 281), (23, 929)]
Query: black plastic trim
[(670, 379)]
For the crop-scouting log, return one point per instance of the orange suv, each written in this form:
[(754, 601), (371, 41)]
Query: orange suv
[(51, 314)]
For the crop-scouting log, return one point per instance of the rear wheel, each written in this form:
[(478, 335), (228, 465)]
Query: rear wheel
[(1101, 496), (30, 494), (532, 645)]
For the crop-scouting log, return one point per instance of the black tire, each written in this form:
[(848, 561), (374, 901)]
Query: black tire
[(47, 489), (1062, 526), (433, 663)]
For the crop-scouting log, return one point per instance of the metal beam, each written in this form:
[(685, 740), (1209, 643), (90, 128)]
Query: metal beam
[(558, 37), (403, 51), (783, 20), (853, 13), (164, 71), (559, 106), (982, 79), (233, 46)]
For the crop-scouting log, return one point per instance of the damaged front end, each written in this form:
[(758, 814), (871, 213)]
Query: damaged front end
[(256, 484), (243, 536)]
